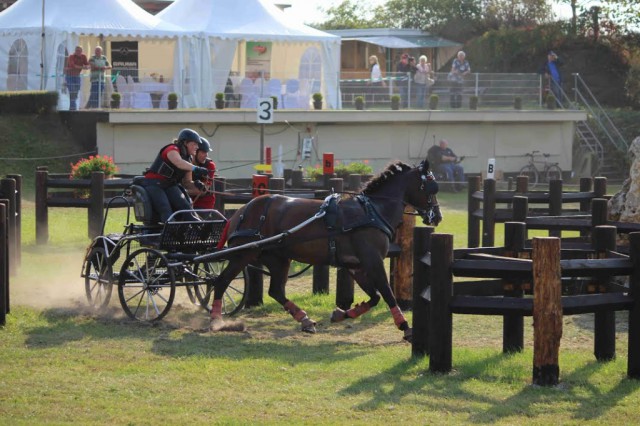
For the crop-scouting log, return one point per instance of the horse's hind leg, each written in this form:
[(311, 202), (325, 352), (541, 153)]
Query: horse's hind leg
[(279, 269), (235, 266), (360, 277)]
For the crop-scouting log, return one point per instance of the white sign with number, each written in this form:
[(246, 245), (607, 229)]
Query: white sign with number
[(265, 111), (491, 168)]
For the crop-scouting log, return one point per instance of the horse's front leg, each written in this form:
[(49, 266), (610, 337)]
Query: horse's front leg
[(279, 269), (360, 277)]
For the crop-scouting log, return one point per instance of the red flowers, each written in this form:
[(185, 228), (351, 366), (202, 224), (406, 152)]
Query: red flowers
[(95, 163)]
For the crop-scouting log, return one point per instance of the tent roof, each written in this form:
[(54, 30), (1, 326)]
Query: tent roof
[(396, 38), (85, 17), (256, 20)]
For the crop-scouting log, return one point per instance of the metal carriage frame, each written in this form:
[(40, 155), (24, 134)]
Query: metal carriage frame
[(148, 262)]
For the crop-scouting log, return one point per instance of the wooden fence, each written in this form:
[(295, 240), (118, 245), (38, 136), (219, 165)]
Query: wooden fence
[(560, 281)]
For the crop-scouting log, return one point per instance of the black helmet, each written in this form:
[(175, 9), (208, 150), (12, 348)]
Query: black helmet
[(187, 135), (204, 145)]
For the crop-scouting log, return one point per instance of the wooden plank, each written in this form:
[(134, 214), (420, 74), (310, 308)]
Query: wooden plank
[(462, 252), (491, 269), (593, 267), (586, 303), (479, 305), (478, 288), (487, 256)]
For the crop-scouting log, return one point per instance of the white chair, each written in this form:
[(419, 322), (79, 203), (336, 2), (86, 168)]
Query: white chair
[(139, 98), (293, 97), (248, 93), (274, 88), (124, 90)]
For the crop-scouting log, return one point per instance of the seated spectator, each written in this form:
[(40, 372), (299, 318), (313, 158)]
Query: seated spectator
[(445, 163)]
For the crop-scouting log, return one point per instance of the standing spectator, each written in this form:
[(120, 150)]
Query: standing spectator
[(76, 62), (404, 75), (443, 161), (459, 70), (203, 196), (376, 83), (423, 80), (551, 69), (99, 64)]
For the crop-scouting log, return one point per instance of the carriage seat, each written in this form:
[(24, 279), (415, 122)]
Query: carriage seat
[(142, 207)]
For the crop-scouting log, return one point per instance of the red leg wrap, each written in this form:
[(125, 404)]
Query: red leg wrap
[(398, 318), (297, 313), (216, 309), (358, 310)]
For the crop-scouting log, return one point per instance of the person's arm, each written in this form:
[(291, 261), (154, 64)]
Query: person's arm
[(177, 161)]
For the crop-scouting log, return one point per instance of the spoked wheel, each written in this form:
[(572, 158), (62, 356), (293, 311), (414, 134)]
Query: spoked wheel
[(206, 274), (98, 278), (147, 285), (554, 173), (531, 173)]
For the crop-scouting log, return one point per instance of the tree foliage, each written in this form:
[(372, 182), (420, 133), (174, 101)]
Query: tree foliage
[(347, 15)]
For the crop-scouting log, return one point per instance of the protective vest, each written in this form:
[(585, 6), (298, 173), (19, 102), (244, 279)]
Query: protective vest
[(166, 169)]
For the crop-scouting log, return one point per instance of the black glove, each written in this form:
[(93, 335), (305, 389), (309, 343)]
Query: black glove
[(200, 185), (199, 172)]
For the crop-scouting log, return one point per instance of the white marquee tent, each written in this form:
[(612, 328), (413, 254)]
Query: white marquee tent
[(233, 28), (67, 23)]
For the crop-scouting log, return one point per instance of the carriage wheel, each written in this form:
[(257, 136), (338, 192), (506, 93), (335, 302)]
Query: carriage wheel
[(236, 294), (531, 172), (554, 173), (98, 278), (147, 285)]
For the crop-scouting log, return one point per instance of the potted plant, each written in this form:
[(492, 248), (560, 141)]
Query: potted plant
[(433, 101), (172, 100), (275, 102), (395, 101), (219, 100), (359, 102), (551, 101), (517, 102), (115, 100), (317, 100), (473, 102)]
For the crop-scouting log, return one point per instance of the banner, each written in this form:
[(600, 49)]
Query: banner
[(258, 59), (124, 58)]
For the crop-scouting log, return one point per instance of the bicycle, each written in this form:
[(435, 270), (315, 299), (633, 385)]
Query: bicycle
[(551, 171)]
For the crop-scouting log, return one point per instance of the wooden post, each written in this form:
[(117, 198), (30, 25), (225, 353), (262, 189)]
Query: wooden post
[(42, 213), (96, 204), (420, 322), (604, 326), (344, 289), (441, 318), (547, 310), (598, 212), (403, 263), (599, 187), (633, 354), (8, 189), (320, 279), (585, 205), (522, 184), (4, 266), (220, 186), (18, 211), (515, 234), (354, 182), (473, 222), (296, 178), (520, 208), (256, 286), (555, 203), (489, 213), (276, 186), (337, 185)]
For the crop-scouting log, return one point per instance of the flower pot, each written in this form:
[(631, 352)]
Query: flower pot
[(395, 105), (360, 107), (219, 103), (172, 104), (317, 104), (115, 104)]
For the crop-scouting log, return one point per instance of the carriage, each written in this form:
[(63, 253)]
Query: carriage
[(148, 261)]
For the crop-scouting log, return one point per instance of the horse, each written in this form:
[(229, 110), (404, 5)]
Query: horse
[(355, 234)]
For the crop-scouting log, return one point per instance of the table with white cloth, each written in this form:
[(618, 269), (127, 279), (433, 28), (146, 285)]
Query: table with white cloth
[(155, 88)]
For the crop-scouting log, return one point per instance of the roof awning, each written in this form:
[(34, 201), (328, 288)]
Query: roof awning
[(407, 42)]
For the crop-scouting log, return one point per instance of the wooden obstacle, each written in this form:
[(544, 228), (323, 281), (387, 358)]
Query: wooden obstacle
[(503, 276)]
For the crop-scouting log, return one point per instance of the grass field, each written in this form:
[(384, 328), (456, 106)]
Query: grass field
[(61, 363)]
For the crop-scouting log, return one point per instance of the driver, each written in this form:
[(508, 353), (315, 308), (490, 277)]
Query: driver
[(443, 161), (171, 172)]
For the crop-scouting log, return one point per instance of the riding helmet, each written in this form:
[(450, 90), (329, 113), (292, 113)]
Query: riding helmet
[(187, 135), (204, 145)]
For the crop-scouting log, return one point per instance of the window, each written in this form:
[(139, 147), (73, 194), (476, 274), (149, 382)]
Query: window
[(61, 59), (310, 65), (18, 66)]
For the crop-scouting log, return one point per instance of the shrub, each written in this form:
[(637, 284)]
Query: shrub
[(341, 171), (317, 96), (115, 96), (433, 101), (28, 102), (517, 102), (219, 96), (173, 96), (359, 102), (473, 102), (95, 163)]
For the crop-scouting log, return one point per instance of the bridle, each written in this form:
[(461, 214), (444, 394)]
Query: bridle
[(431, 215)]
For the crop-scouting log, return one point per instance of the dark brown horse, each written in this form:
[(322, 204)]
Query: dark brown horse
[(352, 232)]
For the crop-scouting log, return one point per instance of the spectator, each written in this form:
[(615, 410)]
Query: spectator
[(444, 162), (99, 64), (172, 169), (423, 80), (551, 69), (404, 75), (459, 70), (203, 196), (376, 73), (76, 62)]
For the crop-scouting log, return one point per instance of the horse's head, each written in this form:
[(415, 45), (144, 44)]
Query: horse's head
[(421, 194)]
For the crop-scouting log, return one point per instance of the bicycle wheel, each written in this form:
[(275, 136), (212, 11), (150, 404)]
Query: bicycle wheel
[(554, 173), (147, 285), (532, 173), (98, 278), (236, 294)]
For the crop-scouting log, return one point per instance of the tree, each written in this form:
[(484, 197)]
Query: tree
[(346, 15), (514, 14)]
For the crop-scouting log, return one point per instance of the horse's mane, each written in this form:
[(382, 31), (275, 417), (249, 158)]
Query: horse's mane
[(393, 169)]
